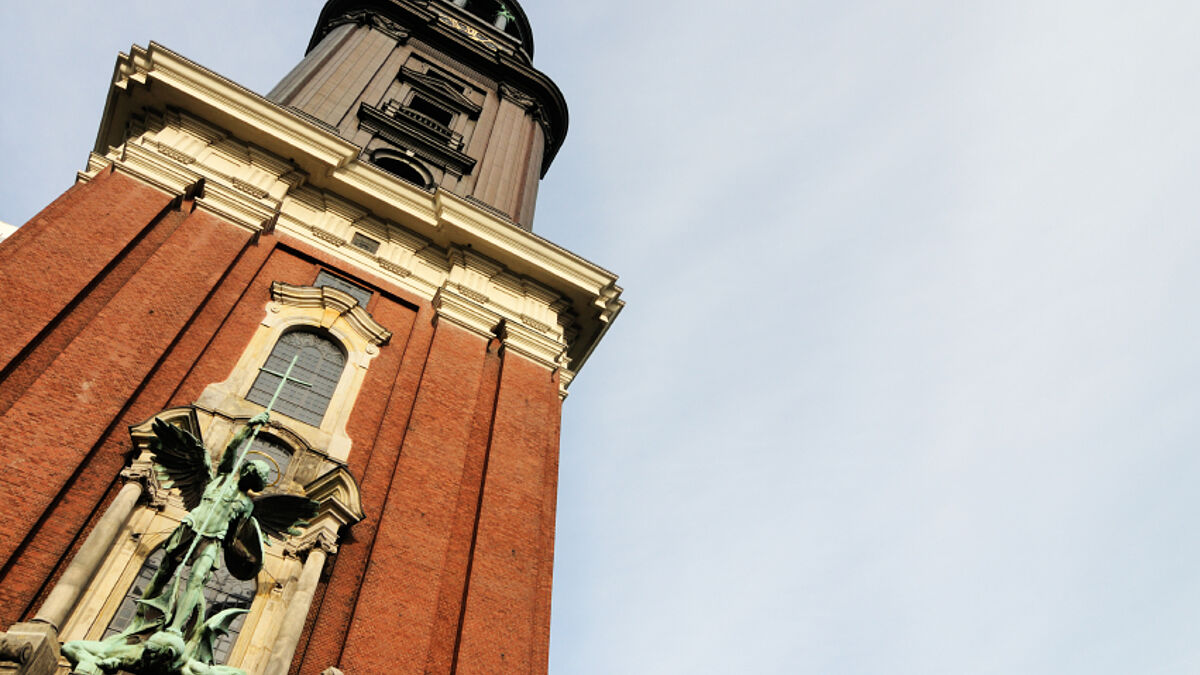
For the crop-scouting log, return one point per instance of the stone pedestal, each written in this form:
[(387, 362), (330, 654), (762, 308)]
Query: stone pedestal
[(29, 648)]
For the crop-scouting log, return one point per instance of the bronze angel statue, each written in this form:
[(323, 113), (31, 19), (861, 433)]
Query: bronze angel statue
[(229, 512)]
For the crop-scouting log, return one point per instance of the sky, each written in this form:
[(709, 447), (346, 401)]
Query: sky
[(906, 383)]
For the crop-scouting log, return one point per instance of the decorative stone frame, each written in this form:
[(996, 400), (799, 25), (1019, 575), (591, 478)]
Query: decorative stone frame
[(293, 307), (268, 636), (428, 180)]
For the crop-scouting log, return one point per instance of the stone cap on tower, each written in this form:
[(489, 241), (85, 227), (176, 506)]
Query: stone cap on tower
[(504, 19)]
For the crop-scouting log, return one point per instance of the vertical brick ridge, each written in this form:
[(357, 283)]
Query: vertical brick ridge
[(40, 221), (50, 570), (25, 368), (368, 418), (539, 658), (367, 426), (457, 567), (66, 250), (55, 426), (499, 629), (240, 288), (326, 643), (95, 481), (399, 594)]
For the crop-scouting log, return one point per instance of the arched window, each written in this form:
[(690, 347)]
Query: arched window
[(220, 593), (400, 169), (274, 452), (319, 366)]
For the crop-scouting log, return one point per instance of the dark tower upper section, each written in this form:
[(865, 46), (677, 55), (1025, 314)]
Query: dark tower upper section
[(441, 93)]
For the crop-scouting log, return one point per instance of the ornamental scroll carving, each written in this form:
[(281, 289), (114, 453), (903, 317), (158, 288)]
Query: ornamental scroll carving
[(530, 104), (380, 23), (337, 304)]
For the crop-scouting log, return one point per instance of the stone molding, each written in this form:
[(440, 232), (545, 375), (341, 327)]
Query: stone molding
[(463, 311), (324, 193), (377, 21), (401, 132), (436, 86), (336, 305), (528, 103), (294, 307), (337, 493)]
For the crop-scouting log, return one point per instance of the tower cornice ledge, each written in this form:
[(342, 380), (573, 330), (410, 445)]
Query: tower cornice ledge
[(301, 156)]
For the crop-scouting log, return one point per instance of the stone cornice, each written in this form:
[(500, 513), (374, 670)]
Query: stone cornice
[(439, 88), (178, 126), (377, 21)]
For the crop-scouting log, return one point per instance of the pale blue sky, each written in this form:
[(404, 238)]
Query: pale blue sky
[(907, 380)]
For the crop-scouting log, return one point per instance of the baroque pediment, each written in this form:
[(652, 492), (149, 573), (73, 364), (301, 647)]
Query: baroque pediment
[(435, 85)]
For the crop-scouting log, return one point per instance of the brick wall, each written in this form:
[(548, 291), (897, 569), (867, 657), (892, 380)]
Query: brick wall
[(124, 301)]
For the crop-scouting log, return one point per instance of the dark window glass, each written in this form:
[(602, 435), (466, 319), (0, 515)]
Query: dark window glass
[(357, 292), (365, 243), (401, 169), (431, 110), (275, 453), (320, 365), (220, 593)]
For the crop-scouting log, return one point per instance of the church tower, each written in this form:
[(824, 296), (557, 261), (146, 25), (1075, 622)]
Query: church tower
[(367, 224)]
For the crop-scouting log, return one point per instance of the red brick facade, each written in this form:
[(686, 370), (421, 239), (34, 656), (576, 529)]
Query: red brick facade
[(122, 301)]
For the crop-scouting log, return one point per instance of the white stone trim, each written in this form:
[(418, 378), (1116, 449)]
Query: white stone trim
[(204, 126), (294, 307)]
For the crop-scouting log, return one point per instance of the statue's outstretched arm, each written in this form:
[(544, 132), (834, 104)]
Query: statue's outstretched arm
[(231, 451)]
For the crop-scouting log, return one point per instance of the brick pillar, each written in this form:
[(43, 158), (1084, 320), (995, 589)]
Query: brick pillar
[(64, 248), (505, 625), (458, 557), (47, 433), (374, 466), (398, 601)]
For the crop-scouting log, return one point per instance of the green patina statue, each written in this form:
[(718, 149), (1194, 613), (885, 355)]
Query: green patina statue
[(170, 634)]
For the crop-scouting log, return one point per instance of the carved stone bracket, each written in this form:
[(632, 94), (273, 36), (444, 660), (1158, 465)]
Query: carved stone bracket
[(393, 267), (328, 237), (29, 649), (315, 538), (142, 471), (530, 104), (375, 20), (511, 93)]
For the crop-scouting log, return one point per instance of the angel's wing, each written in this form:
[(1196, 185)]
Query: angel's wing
[(279, 514), (206, 638), (182, 461)]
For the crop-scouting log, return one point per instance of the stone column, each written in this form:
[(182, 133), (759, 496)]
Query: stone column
[(284, 648), (83, 567)]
